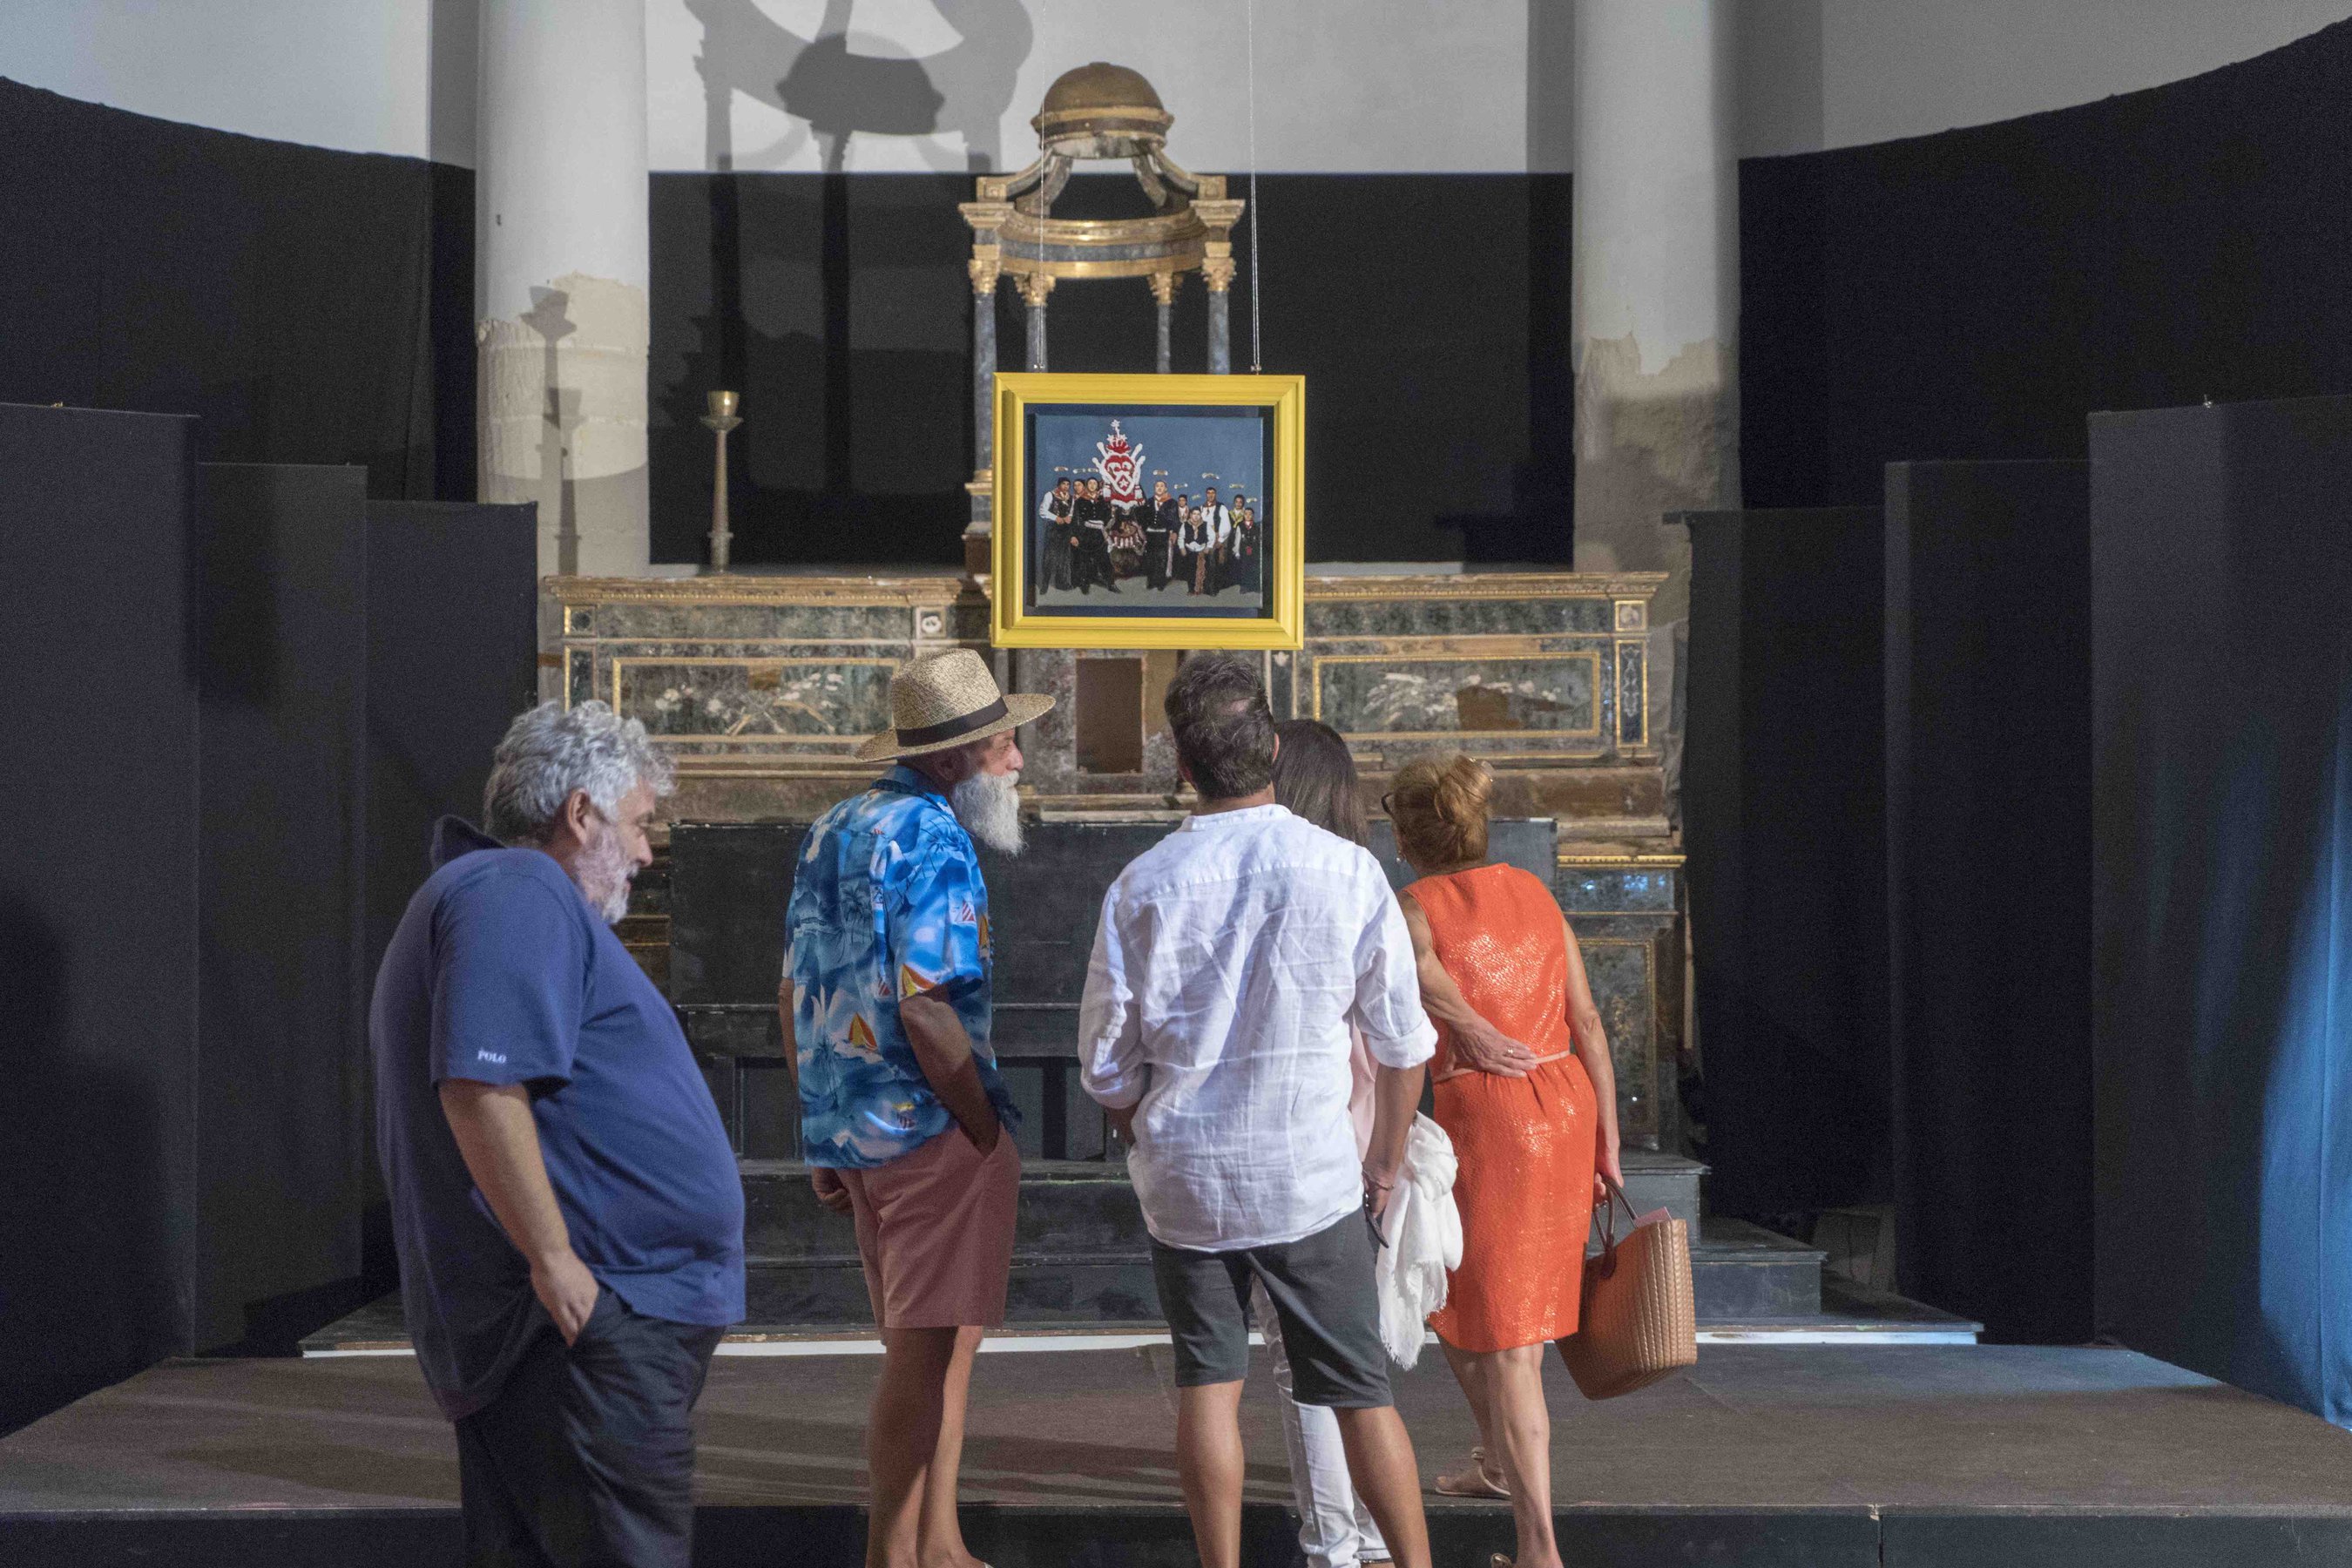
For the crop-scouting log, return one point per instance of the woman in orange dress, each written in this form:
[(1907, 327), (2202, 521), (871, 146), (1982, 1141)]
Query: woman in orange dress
[(1529, 1124)]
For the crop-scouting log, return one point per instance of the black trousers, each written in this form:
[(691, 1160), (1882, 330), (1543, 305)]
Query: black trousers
[(1155, 557), (1093, 564), (586, 1458)]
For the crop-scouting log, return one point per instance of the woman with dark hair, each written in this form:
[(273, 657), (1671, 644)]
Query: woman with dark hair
[(1529, 1134), (1315, 778)]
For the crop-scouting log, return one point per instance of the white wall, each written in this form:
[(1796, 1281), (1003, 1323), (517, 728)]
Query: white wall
[(1366, 86), (1905, 67), (358, 75), (1344, 86)]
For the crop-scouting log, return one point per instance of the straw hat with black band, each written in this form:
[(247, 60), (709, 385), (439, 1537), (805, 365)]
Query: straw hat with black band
[(947, 700)]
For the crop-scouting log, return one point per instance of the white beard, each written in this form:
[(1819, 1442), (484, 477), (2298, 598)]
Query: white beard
[(989, 807), (603, 873)]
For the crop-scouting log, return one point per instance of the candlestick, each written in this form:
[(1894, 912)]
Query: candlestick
[(720, 420)]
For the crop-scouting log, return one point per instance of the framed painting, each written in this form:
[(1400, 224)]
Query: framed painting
[(1160, 511)]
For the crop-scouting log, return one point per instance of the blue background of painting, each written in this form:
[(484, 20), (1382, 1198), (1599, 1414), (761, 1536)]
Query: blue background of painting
[(1231, 443)]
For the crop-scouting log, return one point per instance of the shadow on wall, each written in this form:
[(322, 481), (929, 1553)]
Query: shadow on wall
[(549, 319), (86, 1288), (840, 84)]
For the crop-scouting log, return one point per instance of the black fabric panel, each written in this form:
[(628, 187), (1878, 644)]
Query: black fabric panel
[(1975, 294), (281, 1086), (98, 901), (1440, 402), (2222, 705), (1784, 820), (452, 657), (313, 306), (1988, 879)]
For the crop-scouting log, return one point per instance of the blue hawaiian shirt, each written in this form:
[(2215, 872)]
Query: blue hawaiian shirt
[(888, 901)]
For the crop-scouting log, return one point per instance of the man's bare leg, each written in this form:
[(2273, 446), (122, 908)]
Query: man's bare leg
[(1380, 1463), (902, 1433), (941, 1542), (1209, 1467)]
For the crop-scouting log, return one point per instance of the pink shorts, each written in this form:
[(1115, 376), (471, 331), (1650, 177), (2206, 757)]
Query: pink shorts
[(935, 1232)]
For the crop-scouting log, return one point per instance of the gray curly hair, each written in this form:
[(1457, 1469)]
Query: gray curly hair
[(552, 750)]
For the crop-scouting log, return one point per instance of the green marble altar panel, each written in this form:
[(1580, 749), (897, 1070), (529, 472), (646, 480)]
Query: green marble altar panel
[(1420, 616), (1623, 973), (751, 678), (1417, 696), (1535, 668), (753, 699), (1609, 890)]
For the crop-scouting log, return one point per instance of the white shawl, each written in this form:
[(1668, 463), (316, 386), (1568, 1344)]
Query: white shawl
[(1423, 1230)]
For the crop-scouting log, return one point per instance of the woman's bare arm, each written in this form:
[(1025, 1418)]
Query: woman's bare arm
[(1592, 1047), (1477, 1043)]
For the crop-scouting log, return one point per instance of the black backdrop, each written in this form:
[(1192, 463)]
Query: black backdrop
[(313, 306), (452, 657), (2222, 563), (1988, 883), (1978, 293), (1783, 816), (98, 901), (280, 602), (211, 817), (1973, 294), (1429, 315)]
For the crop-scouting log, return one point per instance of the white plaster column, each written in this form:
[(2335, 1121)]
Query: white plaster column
[(1657, 298), (560, 274)]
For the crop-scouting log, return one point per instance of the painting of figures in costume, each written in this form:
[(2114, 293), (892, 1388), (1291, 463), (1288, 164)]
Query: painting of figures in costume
[(1169, 513), (1151, 519)]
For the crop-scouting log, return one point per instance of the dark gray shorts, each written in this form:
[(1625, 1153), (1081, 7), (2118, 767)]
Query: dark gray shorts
[(1321, 1287)]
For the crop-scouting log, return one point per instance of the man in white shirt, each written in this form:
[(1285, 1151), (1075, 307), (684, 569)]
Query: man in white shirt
[(1230, 960)]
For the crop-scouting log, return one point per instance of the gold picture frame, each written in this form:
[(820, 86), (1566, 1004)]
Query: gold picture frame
[(1030, 607)]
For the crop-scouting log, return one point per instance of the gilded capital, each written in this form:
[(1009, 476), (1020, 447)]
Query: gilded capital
[(984, 268), (1035, 287), (1217, 272), (1163, 286), (986, 218), (1218, 217)]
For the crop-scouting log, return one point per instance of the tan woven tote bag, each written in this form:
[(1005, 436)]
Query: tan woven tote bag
[(1637, 1323)]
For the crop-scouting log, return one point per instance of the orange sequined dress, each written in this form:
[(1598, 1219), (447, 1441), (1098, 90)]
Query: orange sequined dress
[(1526, 1144)]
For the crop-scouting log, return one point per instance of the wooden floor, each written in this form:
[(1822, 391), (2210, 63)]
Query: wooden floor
[(1843, 1455)]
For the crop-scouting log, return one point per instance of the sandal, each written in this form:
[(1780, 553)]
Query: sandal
[(1476, 1482)]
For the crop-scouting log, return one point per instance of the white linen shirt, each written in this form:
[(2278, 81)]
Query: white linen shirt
[(1229, 962)]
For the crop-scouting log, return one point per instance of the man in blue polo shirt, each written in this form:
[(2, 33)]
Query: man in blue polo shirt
[(567, 1209)]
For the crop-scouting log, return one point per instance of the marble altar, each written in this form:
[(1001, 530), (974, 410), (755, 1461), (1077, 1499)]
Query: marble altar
[(761, 686)]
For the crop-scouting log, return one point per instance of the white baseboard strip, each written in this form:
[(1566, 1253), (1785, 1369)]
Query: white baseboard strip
[(1015, 1344)]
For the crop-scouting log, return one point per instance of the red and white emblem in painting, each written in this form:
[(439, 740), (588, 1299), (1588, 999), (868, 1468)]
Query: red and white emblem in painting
[(1119, 466)]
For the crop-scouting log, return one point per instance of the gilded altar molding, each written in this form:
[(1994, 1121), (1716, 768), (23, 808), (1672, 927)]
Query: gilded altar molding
[(747, 589), (1637, 586)]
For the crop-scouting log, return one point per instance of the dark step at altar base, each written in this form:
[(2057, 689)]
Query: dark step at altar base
[(1080, 1206), (1738, 1274)]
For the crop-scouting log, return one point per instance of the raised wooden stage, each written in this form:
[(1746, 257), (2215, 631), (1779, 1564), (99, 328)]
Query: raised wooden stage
[(1788, 1457)]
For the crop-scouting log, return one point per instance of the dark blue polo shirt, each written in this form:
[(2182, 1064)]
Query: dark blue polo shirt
[(500, 971)]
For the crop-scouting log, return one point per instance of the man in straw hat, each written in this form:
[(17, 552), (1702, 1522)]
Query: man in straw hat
[(903, 1115)]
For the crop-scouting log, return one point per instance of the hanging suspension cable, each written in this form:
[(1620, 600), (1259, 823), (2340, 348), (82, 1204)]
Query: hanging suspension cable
[(1250, 34)]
